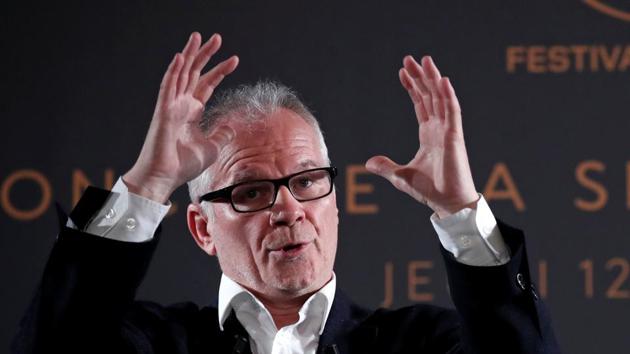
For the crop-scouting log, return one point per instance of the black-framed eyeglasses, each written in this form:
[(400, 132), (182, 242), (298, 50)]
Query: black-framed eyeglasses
[(250, 196)]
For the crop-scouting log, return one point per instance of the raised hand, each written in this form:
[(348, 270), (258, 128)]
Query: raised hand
[(439, 174), (175, 149)]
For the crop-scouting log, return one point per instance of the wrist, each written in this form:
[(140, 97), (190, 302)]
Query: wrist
[(452, 208), (147, 187)]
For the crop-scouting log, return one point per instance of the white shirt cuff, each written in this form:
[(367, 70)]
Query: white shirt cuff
[(126, 216), (472, 236)]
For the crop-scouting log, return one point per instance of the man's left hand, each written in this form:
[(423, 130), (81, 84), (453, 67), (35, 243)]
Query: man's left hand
[(439, 174)]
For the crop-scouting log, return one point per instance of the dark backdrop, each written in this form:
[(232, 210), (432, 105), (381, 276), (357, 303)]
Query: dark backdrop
[(544, 88)]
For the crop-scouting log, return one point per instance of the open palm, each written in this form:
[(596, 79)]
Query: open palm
[(175, 149), (439, 173)]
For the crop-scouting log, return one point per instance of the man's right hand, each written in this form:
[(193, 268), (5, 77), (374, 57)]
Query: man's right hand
[(175, 149)]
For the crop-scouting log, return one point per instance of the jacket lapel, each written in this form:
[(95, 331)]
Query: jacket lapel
[(344, 331), (211, 339), (234, 336)]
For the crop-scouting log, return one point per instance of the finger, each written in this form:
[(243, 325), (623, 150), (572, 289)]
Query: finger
[(203, 56), (452, 108), (210, 80), (438, 101), (407, 83), (419, 78), (169, 81), (383, 166), (414, 94), (415, 71), (430, 69), (189, 53), (431, 79)]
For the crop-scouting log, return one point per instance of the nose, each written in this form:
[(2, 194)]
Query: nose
[(286, 211)]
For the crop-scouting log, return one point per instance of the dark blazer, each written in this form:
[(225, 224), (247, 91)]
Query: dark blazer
[(85, 304)]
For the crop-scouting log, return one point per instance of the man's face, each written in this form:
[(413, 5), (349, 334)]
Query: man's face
[(289, 249)]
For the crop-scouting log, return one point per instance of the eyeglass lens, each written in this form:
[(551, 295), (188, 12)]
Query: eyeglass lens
[(261, 194)]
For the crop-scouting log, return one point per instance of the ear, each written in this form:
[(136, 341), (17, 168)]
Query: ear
[(198, 227), (334, 196)]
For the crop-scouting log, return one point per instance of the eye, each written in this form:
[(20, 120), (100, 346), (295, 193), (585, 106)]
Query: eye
[(252, 193), (304, 182)]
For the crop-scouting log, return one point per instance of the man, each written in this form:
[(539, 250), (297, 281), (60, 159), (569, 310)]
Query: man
[(264, 203)]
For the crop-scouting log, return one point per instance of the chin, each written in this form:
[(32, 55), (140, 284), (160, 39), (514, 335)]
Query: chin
[(296, 281), (301, 284), (298, 284)]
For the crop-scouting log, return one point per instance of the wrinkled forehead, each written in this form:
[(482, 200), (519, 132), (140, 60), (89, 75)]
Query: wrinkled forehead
[(281, 127), (279, 144)]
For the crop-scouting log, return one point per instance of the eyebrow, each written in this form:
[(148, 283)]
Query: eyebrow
[(244, 175), (308, 164), (253, 174)]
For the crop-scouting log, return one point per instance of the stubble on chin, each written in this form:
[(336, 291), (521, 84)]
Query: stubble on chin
[(291, 274)]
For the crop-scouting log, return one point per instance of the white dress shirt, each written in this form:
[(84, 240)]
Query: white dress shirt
[(471, 235), (299, 337)]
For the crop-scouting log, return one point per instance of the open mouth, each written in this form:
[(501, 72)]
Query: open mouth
[(290, 250), (292, 247)]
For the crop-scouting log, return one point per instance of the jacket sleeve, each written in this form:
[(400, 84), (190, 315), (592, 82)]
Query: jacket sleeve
[(499, 309), (88, 285)]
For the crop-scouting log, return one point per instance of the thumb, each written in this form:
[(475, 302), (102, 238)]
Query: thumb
[(382, 166), (216, 141), (222, 136)]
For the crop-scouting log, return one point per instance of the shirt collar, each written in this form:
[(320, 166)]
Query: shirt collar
[(229, 291)]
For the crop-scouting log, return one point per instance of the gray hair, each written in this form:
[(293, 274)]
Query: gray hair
[(251, 103)]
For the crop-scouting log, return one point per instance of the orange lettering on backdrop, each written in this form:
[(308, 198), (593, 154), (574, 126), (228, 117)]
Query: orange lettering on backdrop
[(536, 59), (414, 280), (543, 279), (579, 51), (514, 56), (624, 63), (615, 290), (539, 59), (581, 175), (353, 188), (559, 59), (389, 285), (25, 175), (594, 53), (80, 182), (611, 59), (500, 173)]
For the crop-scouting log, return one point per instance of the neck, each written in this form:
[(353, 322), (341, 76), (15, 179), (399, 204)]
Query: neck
[(283, 311)]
